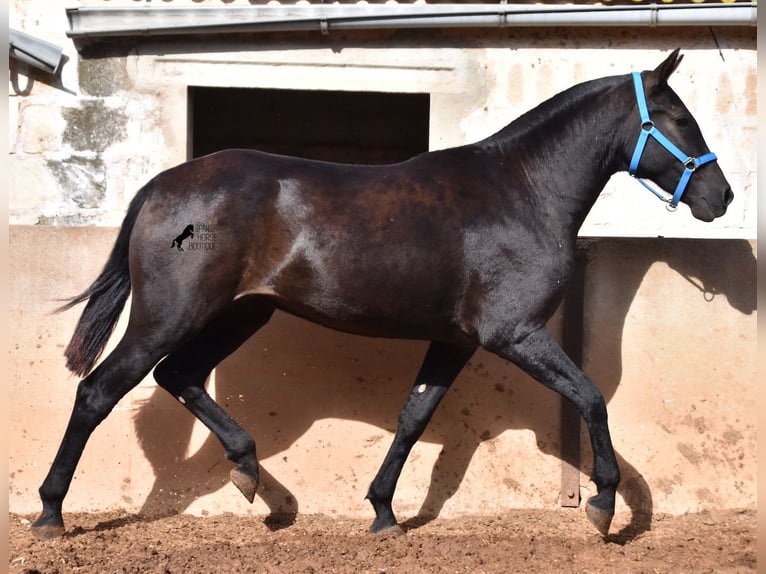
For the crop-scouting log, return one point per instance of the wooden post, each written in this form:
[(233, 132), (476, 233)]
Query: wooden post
[(569, 417)]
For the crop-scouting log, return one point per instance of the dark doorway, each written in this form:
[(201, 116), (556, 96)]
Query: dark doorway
[(353, 127)]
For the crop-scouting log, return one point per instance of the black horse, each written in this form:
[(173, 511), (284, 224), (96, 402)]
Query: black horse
[(464, 247)]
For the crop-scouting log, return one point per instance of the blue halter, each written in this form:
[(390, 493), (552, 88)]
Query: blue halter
[(649, 129)]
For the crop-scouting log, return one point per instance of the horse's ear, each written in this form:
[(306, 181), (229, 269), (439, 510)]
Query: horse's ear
[(663, 71)]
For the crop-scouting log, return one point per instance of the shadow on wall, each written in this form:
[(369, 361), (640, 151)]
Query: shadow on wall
[(20, 70), (367, 380), (615, 271)]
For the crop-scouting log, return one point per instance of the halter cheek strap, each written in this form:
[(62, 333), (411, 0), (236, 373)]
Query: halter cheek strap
[(649, 129)]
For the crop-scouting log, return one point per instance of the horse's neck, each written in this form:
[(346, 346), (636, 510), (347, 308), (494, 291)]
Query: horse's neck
[(564, 151)]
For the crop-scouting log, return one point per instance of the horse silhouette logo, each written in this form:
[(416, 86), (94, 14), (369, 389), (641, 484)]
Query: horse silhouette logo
[(187, 232)]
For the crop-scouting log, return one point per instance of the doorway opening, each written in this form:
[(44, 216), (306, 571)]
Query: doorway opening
[(340, 126)]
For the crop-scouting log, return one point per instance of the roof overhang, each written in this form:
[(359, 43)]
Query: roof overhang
[(93, 22)]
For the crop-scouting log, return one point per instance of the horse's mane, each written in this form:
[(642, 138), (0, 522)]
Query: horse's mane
[(552, 114)]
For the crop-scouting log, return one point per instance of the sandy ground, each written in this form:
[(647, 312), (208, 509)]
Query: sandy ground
[(517, 541)]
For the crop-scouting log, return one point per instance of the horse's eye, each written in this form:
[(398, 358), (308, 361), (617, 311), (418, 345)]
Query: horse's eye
[(682, 122)]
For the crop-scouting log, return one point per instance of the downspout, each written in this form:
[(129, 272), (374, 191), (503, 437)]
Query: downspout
[(92, 22), (35, 52)]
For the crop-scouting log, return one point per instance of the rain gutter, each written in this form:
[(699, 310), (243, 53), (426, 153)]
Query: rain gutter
[(94, 22)]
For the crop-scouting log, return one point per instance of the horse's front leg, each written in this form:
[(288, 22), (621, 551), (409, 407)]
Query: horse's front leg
[(540, 356), (440, 368)]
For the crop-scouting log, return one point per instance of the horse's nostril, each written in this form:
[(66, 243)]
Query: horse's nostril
[(728, 196)]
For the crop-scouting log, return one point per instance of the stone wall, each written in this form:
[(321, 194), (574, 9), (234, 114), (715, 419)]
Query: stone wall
[(80, 149)]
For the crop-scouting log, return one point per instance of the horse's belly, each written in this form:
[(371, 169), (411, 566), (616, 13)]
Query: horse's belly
[(370, 301), (405, 325)]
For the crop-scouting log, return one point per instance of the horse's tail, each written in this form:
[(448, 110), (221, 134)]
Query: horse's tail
[(106, 298)]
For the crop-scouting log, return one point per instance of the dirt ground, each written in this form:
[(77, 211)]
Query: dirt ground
[(517, 541)]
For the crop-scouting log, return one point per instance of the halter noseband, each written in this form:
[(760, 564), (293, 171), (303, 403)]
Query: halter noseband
[(649, 129)]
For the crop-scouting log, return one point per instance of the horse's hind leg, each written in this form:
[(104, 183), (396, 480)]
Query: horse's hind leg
[(440, 368), (96, 396), (540, 356), (183, 374)]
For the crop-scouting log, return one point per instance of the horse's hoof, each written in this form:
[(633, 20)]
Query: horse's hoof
[(246, 483), (47, 531), (394, 530), (601, 519)]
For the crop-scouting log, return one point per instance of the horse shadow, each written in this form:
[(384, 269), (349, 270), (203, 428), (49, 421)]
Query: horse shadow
[(332, 379)]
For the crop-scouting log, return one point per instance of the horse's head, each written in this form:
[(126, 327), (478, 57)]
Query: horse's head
[(670, 149)]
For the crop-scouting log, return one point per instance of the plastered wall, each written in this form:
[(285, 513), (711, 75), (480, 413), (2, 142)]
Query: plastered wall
[(670, 338)]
